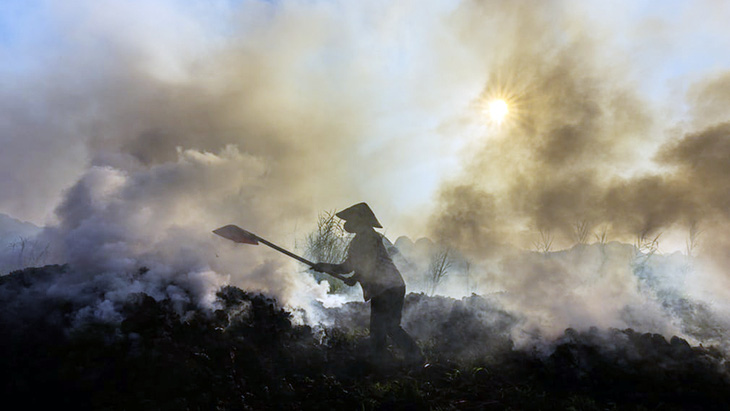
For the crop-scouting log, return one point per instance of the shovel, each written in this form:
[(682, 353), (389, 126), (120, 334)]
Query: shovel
[(239, 235)]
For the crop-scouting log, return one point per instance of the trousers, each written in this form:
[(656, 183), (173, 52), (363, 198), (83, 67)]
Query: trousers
[(386, 310)]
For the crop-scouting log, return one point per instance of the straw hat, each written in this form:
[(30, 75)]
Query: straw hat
[(360, 212)]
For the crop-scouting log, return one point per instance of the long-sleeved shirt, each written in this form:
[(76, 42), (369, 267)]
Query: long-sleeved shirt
[(372, 265)]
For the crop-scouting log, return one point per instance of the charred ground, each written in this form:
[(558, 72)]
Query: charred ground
[(248, 354)]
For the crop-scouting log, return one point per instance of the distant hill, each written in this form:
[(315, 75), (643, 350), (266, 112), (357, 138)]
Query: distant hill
[(18, 247), (12, 229)]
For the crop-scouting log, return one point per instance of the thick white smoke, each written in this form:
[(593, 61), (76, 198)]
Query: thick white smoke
[(149, 230), (146, 126)]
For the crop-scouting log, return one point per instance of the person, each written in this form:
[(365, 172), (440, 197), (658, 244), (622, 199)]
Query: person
[(382, 283)]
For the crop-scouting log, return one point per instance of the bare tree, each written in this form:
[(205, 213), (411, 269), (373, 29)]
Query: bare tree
[(470, 286), (438, 268), (581, 230), (693, 238), (646, 244), (646, 247), (602, 235), (544, 242), (692, 243), (29, 253)]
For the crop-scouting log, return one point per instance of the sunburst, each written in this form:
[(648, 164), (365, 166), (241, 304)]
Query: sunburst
[(502, 102), (497, 110)]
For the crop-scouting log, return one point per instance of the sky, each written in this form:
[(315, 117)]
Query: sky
[(664, 48)]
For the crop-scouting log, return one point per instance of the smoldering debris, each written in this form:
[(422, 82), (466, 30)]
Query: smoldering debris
[(604, 284), (451, 330), (247, 354)]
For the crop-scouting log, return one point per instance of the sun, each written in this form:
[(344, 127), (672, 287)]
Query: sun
[(504, 103), (497, 110)]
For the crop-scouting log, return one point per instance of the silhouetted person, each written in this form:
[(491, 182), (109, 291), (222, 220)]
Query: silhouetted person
[(382, 283)]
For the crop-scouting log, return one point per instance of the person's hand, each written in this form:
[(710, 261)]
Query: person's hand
[(322, 267)]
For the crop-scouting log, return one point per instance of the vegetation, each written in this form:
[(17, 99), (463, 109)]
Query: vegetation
[(581, 231), (544, 243), (693, 238), (248, 355), (27, 253), (438, 268), (328, 244), (646, 246), (602, 235)]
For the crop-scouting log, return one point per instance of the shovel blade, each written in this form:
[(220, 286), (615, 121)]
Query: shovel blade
[(237, 234)]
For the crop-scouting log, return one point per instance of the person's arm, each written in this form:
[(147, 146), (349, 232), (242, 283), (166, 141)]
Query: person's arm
[(331, 268), (344, 267)]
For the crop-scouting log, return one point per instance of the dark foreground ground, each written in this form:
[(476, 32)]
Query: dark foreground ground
[(248, 355)]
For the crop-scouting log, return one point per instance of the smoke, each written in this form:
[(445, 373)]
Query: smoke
[(132, 130), (151, 125), (330, 96), (147, 126), (584, 144), (586, 157)]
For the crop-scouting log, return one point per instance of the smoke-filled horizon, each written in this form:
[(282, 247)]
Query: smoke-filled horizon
[(131, 130)]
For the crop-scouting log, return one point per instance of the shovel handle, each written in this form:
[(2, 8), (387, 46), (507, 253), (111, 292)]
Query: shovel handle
[(287, 252), (294, 256), (239, 235)]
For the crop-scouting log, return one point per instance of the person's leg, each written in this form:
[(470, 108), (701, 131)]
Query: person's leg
[(394, 299), (378, 324), (406, 343)]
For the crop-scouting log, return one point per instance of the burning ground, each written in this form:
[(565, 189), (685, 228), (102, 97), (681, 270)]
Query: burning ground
[(563, 162), (161, 349)]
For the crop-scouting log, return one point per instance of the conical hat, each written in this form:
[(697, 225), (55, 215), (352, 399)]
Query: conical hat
[(360, 212)]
